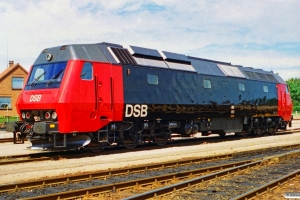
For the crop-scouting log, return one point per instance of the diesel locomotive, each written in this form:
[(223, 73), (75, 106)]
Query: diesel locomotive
[(96, 96)]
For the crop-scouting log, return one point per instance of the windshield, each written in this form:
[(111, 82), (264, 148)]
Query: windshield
[(46, 76)]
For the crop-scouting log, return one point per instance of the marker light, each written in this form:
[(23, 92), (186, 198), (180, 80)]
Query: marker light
[(47, 115), (23, 115), (27, 115), (54, 115)]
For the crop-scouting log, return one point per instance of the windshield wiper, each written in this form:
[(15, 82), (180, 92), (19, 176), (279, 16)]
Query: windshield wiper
[(37, 78), (55, 77)]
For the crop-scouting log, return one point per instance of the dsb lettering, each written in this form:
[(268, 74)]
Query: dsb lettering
[(136, 110), (35, 98)]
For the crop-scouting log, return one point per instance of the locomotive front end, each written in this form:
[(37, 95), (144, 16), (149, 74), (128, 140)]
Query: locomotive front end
[(39, 106)]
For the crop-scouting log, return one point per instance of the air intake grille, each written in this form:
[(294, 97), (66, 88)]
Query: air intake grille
[(251, 75), (262, 77), (123, 56), (271, 78)]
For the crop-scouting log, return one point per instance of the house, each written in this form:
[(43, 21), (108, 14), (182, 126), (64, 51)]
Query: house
[(11, 83)]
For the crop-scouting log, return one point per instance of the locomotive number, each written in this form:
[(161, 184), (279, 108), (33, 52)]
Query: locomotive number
[(35, 98), (136, 110)]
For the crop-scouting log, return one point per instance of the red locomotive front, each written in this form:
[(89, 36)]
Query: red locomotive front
[(66, 98)]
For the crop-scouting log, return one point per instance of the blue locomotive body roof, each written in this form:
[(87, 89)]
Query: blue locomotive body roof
[(145, 57)]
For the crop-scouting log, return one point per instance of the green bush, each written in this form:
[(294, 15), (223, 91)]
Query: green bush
[(296, 111), (296, 108), (4, 119)]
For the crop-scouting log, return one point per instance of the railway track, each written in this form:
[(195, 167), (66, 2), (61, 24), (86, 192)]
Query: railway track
[(44, 156), (11, 140), (169, 177), (4, 140), (220, 185)]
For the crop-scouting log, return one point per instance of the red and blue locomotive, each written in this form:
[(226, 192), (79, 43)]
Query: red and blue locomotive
[(104, 95)]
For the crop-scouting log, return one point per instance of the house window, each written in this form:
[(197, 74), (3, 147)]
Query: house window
[(241, 86), (152, 79), (87, 71), (206, 83), (265, 88), (17, 82), (5, 103)]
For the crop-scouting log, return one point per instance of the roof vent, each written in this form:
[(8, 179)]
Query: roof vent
[(122, 56)]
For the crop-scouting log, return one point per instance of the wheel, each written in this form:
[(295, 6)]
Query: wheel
[(222, 134), (129, 142), (96, 147), (258, 131), (160, 140), (243, 133)]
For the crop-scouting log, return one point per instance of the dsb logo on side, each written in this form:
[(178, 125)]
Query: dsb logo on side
[(136, 110)]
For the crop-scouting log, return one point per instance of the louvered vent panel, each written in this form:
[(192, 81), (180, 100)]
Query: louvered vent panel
[(271, 78), (251, 75), (262, 77), (123, 56)]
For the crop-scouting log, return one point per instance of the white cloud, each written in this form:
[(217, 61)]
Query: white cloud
[(223, 30)]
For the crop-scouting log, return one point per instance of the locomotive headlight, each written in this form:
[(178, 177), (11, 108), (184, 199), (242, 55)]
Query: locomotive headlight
[(27, 115), (54, 115), (23, 115), (47, 115)]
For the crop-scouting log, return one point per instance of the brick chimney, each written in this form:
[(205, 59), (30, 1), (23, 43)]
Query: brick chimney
[(11, 63)]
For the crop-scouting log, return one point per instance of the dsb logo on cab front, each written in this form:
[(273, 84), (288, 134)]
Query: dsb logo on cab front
[(35, 98)]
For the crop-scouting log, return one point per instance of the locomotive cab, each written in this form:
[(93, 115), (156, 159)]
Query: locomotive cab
[(40, 106)]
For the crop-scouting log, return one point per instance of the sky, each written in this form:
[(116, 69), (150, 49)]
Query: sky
[(260, 34)]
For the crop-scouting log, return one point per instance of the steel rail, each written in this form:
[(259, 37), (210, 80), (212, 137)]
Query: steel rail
[(70, 179), (60, 154), (113, 188), (24, 158), (95, 175), (195, 181), (191, 182), (3, 140), (268, 186), (111, 173), (148, 181)]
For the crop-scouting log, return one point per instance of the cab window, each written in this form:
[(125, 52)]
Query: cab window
[(87, 71)]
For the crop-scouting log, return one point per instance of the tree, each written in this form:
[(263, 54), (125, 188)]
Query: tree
[(294, 84)]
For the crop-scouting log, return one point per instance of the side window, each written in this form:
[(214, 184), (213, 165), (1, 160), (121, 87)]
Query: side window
[(206, 83), (87, 71), (241, 87), (17, 82), (152, 79), (265, 88)]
